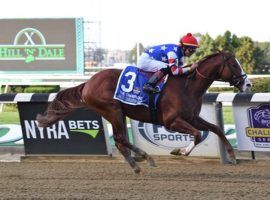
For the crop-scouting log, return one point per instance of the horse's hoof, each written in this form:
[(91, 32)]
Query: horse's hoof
[(175, 152), (178, 152), (232, 160), (151, 162), (139, 158), (137, 170)]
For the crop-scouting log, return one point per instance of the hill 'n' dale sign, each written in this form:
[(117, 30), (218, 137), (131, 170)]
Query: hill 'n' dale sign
[(40, 45)]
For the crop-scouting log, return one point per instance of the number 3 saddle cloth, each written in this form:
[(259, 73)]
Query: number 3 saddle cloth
[(129, 87)]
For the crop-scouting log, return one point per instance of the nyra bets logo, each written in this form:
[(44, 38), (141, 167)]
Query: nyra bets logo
[(29, 45), (61, 130), (161, 137), (259, 121)]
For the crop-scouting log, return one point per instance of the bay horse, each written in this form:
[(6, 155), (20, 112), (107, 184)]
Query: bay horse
[(178, 107)]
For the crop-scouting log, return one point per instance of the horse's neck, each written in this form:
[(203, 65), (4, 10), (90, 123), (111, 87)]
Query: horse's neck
[(194, 87), (200, 85)]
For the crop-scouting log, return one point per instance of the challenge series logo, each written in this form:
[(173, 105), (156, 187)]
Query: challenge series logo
[(29, 45), (259, 121), (160, 136)]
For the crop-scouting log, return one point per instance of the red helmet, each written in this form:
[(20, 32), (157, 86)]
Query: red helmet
[(189, 40)]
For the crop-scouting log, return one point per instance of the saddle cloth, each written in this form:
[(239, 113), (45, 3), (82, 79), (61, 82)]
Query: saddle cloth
[(129, 87)]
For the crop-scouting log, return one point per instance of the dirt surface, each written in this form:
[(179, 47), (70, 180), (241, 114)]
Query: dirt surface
[(111, 178)]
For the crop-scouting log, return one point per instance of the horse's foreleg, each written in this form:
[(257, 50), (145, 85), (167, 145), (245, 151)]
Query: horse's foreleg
[(181, 126), (203, 125)]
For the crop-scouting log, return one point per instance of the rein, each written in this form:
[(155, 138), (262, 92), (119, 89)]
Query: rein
[(201, 75), (223, 65)]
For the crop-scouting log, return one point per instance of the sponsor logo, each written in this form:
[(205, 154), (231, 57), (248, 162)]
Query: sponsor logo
[(136, 90), (10, 133), (259, 121), (29, 45), (61, 130), (159, 136)]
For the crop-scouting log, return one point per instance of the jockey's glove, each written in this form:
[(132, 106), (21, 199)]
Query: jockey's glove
[(173, 62)]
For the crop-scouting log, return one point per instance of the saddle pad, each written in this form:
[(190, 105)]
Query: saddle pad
[(129, 87)]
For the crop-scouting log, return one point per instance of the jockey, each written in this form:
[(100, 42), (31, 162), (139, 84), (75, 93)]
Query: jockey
[(167, 58)]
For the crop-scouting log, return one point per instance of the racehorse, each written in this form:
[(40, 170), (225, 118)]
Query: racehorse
[(178, 107)]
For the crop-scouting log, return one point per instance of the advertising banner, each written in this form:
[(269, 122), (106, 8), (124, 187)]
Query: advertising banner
[(252, 122), (79, 133), (157, 140), (10, 135), (41, 45)]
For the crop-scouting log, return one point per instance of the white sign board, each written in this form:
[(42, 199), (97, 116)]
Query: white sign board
[(252, 122), (157, 140)]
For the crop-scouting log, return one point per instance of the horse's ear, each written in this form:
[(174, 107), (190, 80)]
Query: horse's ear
[(215, 50), (219, 51)]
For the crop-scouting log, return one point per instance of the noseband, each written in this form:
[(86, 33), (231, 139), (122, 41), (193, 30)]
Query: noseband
[(236, 79)]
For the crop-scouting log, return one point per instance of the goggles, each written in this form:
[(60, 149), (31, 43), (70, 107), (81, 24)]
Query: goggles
[(191, 49)]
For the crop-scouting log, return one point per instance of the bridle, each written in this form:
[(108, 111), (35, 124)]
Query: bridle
[(236, 79)]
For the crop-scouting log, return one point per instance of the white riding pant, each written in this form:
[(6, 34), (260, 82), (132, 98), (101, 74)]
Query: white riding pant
[(149, 64)]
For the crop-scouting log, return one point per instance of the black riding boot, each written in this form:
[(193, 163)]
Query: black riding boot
[(150, 86)]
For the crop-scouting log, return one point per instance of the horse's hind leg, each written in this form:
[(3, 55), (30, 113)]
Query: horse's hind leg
[(125, 152), (139, 151), (119, 135)]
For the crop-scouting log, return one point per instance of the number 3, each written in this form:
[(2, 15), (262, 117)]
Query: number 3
[(130, 83)]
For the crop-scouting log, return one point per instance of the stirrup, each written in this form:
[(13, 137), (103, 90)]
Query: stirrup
[(150, 89)]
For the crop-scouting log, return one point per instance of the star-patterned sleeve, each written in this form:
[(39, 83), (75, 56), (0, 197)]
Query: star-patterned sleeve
[(167, 53), (172, 59)]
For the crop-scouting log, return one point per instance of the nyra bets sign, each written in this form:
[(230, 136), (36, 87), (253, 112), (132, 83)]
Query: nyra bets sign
[(79, 133)]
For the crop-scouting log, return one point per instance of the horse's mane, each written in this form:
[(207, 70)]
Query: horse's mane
[(193, 74), (207, 57)]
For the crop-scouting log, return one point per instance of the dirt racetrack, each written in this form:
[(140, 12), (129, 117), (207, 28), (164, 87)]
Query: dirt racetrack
[(110, 178)]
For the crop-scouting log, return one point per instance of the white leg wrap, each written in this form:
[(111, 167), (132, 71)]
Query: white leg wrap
[(189, 148)]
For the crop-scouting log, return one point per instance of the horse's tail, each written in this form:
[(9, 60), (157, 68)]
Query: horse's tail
[(64, 103)]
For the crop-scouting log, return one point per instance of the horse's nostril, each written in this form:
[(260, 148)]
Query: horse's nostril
[(248, 85)]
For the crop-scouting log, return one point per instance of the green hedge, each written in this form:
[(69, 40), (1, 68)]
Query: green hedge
[(258, 85), (221, 89), (34, 89), (261, 85), (42, 89)]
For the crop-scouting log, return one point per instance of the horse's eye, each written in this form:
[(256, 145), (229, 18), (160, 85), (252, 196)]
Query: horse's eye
[(235, 65)]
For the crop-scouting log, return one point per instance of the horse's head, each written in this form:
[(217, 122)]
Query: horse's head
[(227, 68), (233, 73)]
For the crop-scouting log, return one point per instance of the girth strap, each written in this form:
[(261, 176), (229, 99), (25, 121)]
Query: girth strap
[(153, 108)]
